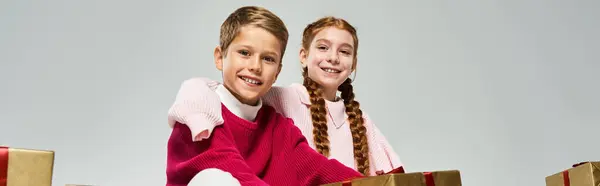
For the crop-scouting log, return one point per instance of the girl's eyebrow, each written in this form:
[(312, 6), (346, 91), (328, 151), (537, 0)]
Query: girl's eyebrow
[(329, 42), (323, 40)]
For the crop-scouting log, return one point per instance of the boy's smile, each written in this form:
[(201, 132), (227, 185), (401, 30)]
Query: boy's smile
[(251, 63), (251, 81)]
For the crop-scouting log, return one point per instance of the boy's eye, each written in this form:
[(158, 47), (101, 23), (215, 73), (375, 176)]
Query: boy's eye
[(244, 52), (269, 59), (346, 52)]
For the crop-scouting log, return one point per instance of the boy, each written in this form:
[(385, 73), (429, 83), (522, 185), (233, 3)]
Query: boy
[(256, 145)]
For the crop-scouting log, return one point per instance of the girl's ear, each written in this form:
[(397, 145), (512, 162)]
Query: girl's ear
[(354, 71), (303, 56)]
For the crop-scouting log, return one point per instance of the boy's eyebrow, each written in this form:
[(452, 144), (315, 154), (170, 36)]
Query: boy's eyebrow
[(276, 54), (246, 46)]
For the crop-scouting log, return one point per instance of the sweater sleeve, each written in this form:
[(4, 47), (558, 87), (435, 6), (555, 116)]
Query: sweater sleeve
[(311, 167), (282, 99), (197, 106), (186, 158), (379, 139)]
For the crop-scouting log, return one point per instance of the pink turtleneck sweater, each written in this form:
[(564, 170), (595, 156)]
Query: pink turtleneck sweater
[(197, 105)]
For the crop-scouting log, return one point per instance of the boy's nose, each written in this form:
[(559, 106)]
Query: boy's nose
[(254, 65)]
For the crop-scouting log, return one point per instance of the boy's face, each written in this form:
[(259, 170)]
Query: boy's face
[(251, 64)]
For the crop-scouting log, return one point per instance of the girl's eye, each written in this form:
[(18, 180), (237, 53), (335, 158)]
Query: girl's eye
[(322, 47), (346, 52), (244, 52)]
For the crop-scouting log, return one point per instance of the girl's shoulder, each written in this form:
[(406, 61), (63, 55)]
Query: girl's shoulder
[(292, 93)]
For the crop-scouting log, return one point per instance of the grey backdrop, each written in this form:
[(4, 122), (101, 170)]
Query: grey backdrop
[(504, 90)]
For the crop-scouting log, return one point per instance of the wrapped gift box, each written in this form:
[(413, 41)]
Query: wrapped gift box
[(582, 174), (437, 178), (24, 167)]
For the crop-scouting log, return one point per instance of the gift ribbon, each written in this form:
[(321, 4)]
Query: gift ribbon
[(347, 182), (429, 179), (396, 170), (566, 179), (3, 165)]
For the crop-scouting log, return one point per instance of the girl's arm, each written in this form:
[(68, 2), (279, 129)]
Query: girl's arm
[(379, 139), (283, 99), (197, 106)]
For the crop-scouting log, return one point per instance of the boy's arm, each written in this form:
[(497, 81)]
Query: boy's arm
[(197, 106), (311, 167), (186, 158)]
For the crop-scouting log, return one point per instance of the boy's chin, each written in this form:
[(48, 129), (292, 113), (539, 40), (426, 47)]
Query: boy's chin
[(249, 97)]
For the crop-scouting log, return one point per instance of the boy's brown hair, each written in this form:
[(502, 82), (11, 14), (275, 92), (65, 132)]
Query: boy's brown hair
[(254, 16)]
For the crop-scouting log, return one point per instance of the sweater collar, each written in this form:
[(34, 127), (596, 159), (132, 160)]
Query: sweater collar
[(303, 94), (247, 112), (336, 110)]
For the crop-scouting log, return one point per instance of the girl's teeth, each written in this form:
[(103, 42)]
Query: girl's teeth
[(331, 70)]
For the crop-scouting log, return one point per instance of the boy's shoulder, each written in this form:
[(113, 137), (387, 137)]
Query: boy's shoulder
[(281, 126), (268, 112), (270, 115)]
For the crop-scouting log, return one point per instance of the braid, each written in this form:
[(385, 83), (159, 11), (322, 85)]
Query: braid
[(318, 110), (318, 113), (359, 132)]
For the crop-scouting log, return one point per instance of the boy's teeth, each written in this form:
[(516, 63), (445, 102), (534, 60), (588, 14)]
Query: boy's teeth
[(250, 81)]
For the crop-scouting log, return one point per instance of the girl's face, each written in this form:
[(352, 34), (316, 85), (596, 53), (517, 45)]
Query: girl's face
[(330, 59)]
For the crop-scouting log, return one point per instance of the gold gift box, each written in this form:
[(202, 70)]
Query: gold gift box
[(440, 178), (585, 174), (25, 167)]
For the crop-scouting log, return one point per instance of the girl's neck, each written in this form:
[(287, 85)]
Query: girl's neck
[(330, 94)]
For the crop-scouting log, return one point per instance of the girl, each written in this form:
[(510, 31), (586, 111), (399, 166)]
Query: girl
[(334, 126)]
